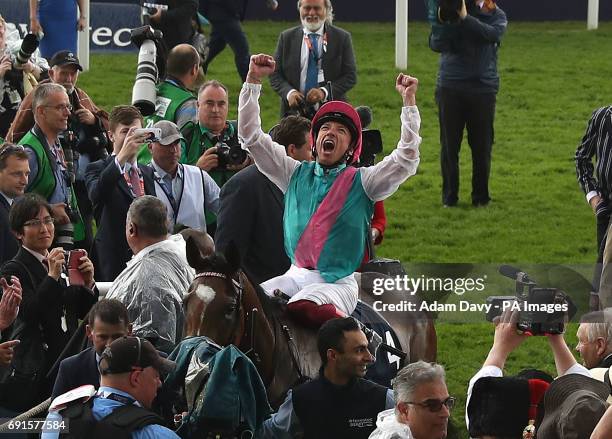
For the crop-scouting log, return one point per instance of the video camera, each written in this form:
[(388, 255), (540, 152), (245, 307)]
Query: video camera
[(371, 140), (443, 11), (230, 152), (541, 311), (151, 67)]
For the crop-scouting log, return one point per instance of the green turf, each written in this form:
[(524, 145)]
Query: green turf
[(552, 76)]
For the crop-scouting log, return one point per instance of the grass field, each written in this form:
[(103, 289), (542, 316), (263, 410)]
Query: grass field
[(552, 76)]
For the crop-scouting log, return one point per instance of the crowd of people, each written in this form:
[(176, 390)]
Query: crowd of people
[(88, 196)]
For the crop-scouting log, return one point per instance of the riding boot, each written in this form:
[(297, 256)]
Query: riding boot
[(312, 315)]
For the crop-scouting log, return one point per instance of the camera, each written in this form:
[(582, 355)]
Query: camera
[(150, 67), (448, 11), (541, 311), (371, 140), (153, 134), (27, 49), (230, 152), (303, 109), (148, 9), (88, 139)]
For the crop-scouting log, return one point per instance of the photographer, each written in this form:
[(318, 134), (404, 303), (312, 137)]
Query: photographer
[(466, 91), (49, 311), (51, 168), (16, 79), (85, 120), (212, 143)]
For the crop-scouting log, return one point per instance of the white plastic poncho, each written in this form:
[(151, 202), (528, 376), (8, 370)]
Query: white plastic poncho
[(152, 287), (387, 427)]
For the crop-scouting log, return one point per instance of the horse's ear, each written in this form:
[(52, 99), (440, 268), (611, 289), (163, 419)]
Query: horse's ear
[(232, 256), (194, 257)]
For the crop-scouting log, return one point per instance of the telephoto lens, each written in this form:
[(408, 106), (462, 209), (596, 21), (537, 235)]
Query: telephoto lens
[(28, 46), (144, 92)]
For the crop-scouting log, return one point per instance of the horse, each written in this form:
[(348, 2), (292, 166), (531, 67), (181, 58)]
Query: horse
[(225, 306)]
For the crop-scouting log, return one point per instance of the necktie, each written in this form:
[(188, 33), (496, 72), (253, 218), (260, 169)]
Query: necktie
[(135, 182), (312, 74)]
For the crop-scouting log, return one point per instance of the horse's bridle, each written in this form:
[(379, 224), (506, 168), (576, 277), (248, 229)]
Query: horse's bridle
[(238, 289)]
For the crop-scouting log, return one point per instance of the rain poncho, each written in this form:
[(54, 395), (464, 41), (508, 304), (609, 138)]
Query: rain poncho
[(387, 427), (152, 287)]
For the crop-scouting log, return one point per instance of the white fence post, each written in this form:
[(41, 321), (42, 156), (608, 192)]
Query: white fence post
[(401, 34), (593, 15), (83, 39)]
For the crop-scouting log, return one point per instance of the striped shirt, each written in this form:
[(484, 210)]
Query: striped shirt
[(596, 179)]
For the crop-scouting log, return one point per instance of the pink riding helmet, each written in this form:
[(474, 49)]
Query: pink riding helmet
[(343, 113)]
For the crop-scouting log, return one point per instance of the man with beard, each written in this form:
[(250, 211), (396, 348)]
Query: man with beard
[(311, 55)]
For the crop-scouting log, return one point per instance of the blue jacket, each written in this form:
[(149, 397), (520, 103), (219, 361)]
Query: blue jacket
[(468, 60), (75, 371)]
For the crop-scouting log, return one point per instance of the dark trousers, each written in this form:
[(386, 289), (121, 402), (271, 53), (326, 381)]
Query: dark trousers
[(229, 32), (603, 221), (459, 110)]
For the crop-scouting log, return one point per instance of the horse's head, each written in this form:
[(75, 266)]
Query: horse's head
[(213, 305)]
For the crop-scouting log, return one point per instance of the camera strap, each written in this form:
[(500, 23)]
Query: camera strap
[(174, 204)]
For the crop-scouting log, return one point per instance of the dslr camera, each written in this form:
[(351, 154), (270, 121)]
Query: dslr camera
[(230, 152), (541, 311)]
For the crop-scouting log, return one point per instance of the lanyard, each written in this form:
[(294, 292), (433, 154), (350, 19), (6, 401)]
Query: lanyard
[(174, 204), (310, 48)]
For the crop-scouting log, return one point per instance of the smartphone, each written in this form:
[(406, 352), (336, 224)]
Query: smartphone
[(75, 277), (153, 134)]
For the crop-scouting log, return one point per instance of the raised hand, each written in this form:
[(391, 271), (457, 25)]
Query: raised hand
[(407, 86), (260, 66), (9, 304)]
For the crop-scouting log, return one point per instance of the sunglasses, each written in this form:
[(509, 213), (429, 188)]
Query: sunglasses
[(435, 405)]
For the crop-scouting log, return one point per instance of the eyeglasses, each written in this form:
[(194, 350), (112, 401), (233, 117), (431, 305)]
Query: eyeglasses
[(435, 405), (47, 221), (60, 107), (10, 148)]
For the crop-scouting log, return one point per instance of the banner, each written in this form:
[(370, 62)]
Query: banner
[(110, 23)]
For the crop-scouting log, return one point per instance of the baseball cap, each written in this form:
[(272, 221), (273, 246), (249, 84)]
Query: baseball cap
[(169, 132), (125, 353), (64, 58)]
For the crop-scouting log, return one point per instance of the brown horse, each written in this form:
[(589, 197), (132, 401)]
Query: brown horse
[(225, 306)]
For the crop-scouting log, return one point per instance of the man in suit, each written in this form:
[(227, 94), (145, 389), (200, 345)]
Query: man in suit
[(108, 321), (251, 208), (309, 56), (14, 171), (113, 183)]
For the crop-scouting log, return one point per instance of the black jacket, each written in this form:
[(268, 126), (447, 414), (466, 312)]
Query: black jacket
[(111, 198), (75, 371), (8, 243), (39, 328)]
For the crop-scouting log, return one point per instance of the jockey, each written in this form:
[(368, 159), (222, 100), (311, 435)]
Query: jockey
[(328, 205)]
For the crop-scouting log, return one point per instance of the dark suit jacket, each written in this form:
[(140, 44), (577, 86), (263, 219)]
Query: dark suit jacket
[(39, 320), (338, 63), (8, 243), (111, 197), (75, 371), (251, 214)]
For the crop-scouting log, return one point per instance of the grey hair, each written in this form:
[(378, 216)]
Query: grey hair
[(42, 92), (149, 215), (329, 9), (598, 324), (412, 376)]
